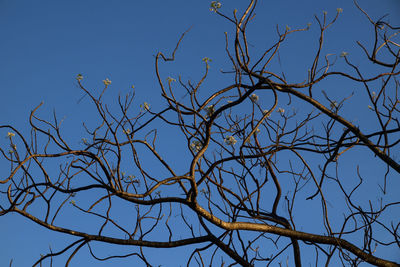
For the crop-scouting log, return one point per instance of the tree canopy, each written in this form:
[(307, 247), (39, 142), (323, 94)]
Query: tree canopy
[(248, 165)]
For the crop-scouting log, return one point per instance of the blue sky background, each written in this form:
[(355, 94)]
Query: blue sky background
[(45, 44)]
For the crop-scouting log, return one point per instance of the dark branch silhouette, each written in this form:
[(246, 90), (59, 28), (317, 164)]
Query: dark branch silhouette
[(248, 164)]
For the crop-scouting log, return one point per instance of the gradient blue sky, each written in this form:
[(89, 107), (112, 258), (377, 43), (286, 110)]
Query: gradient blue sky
[(45, 44)]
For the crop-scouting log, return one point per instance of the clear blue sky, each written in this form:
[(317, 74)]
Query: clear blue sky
[(45, 44)]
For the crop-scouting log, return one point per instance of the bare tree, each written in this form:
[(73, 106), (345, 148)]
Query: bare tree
[(253, 154)]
